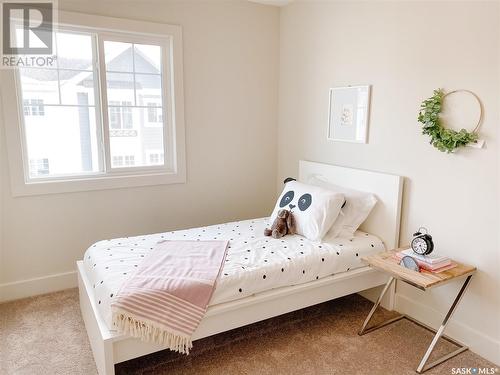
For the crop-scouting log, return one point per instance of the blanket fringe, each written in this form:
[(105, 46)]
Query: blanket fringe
[(148, 332)]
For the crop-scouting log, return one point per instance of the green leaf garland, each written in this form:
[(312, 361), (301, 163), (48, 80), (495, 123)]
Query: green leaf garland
[(445, 140)]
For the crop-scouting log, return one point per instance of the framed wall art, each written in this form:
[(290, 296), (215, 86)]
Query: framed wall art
[(349, 114)]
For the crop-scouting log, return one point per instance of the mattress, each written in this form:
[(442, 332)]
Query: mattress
[(254, 262)]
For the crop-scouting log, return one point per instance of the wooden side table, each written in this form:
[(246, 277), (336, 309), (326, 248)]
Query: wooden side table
[(386, 262)]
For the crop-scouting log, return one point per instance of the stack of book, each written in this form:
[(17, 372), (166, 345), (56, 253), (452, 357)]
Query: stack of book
[(432, 263)]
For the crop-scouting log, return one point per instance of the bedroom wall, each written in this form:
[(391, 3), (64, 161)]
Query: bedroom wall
[(405, 50), (230, 81)]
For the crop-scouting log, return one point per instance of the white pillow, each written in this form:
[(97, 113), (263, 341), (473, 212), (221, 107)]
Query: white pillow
[(314, 208), (355, 211)]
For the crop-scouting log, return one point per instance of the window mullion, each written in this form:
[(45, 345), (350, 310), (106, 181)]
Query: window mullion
[(101, 68), (97, 104), (167, 108), (58, 75), (133, 73)]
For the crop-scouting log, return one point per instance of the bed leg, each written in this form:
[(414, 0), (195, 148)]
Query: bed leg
[(107, 364), (103, 356), (102, 349)]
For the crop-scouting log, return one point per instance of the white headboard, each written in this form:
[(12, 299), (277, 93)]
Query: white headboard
[(385, 218)]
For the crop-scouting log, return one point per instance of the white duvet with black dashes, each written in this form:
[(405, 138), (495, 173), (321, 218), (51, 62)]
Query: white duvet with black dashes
[(254, 263)]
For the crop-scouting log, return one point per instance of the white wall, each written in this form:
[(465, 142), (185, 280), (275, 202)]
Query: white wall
[(405, 50), (231, 81)]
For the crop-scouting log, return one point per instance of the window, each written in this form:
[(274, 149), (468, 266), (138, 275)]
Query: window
[(129, 160), (39, 167), (133, 71), (154, 114), (127, 121), (33, 107), (60, 114), (70, 131), (115, 116), (156, 158), (120, 115), (120, 161), (89, 113), (117, 161)]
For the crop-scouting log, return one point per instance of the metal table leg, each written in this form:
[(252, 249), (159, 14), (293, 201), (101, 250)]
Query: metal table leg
[(363, 329), (421, 367)]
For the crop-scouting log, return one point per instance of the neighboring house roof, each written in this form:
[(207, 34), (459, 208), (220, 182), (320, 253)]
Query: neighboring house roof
[(118, 63), (51, 75)]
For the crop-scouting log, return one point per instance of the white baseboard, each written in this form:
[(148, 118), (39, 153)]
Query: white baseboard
[(478, 342), (36, 286)]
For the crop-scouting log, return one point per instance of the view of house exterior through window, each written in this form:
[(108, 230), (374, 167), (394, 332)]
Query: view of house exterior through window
[(63, 107)]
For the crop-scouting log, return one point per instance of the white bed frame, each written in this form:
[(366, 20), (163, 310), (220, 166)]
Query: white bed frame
[(110, 347)]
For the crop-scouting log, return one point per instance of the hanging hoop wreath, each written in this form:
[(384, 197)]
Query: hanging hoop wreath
[(444, 139)]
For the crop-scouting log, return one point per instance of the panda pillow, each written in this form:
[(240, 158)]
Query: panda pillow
[(314, 208)]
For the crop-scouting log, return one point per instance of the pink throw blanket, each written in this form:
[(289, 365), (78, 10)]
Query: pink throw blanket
[(166, 298)]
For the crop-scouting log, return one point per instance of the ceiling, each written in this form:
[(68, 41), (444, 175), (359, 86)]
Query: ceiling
[(278, 3)]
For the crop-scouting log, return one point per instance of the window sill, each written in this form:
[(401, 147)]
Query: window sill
[(90, 183)]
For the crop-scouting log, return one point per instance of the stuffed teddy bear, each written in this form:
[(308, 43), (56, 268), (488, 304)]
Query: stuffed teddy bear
[(283, 224)]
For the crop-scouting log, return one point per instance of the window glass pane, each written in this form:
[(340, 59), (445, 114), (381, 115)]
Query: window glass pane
[(61, 139), (118, 57), (120, 115), (62, 142), (127, 119), (147, 58), (39, 167), (39, 84), (156, 158), (148, 89), (115, 118), (33, 107), (134, 104), (117, 161), (155, 115), (18, 36), (129, 160), (137, 142), (120, 87), (74, 51), (77, 87)]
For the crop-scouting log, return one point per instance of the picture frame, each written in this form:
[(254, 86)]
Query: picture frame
[(349, 112)]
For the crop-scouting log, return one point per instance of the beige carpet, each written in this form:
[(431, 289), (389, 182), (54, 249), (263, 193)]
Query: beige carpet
[(45, 335)]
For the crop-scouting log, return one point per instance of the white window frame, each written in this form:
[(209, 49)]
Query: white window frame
[(174, 169)]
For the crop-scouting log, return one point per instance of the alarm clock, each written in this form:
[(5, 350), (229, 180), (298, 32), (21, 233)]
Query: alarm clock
[(422, 242)]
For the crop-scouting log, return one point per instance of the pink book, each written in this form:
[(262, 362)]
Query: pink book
[(445, 268), (435, 268)]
